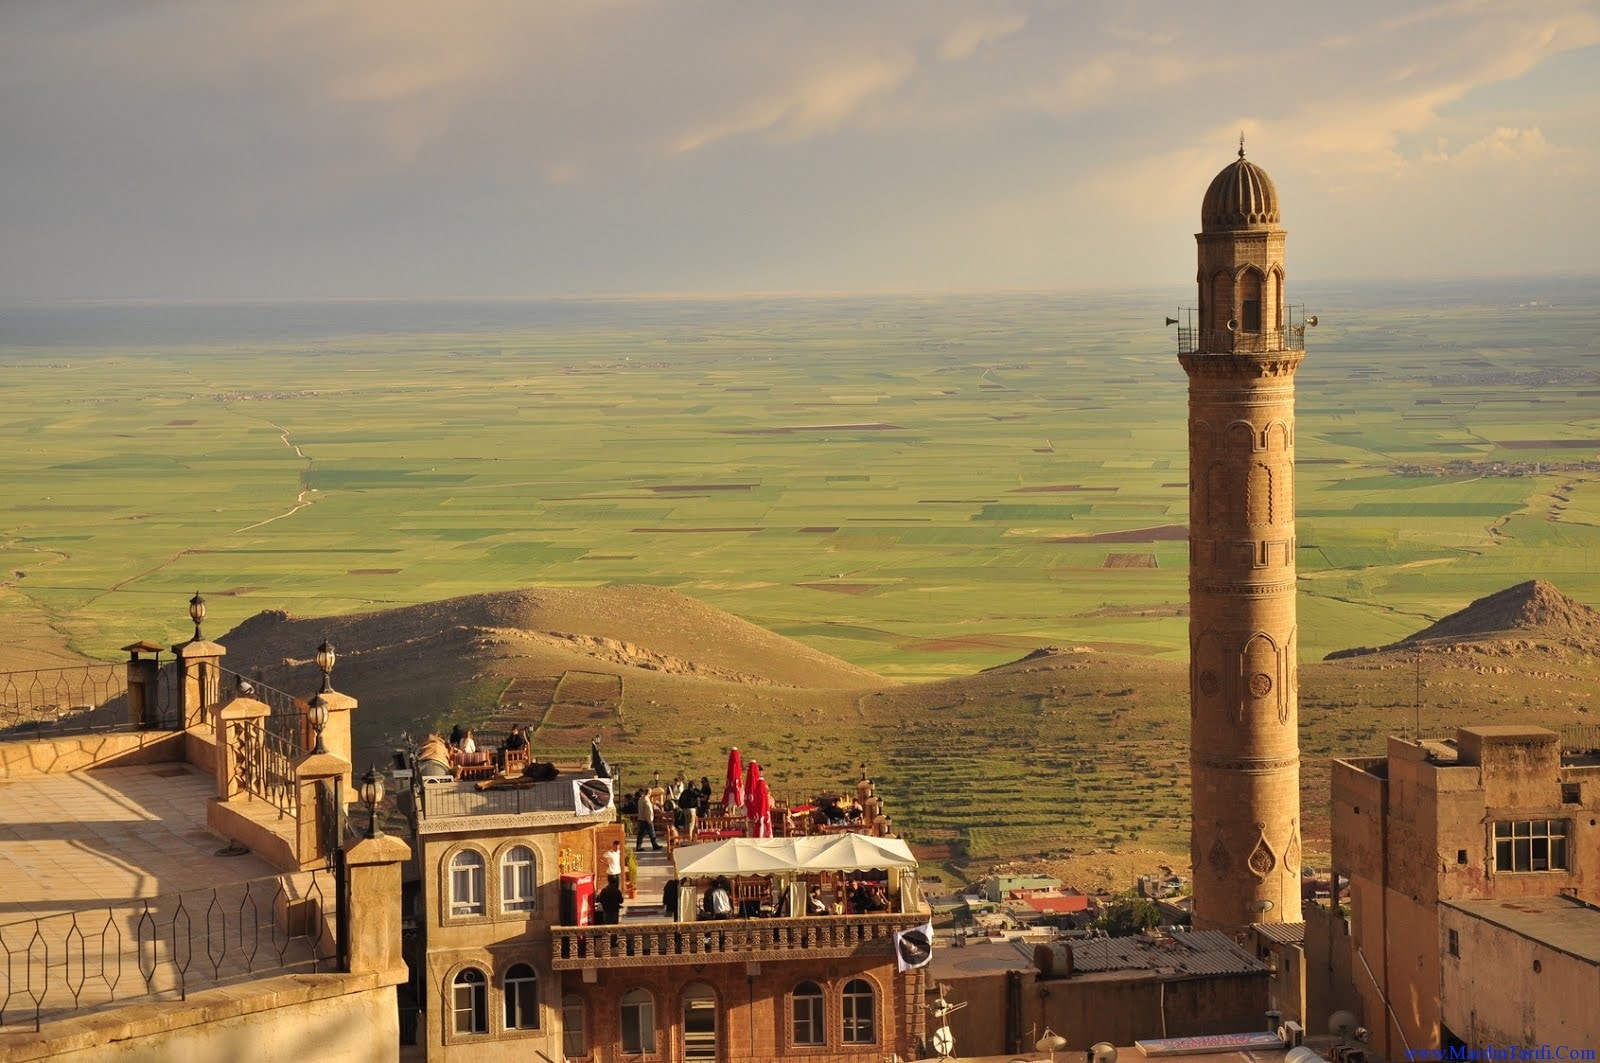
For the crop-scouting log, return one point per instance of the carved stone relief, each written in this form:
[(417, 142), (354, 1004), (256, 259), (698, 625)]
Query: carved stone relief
[(1261, 861)]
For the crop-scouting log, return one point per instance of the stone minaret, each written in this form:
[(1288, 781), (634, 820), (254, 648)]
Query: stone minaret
[(1241, 354)]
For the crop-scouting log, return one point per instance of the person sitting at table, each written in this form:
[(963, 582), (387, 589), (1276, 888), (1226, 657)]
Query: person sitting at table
[(469, 744), (719, 900), (457, 733), (815, 905), (705, 796), (515, 740)]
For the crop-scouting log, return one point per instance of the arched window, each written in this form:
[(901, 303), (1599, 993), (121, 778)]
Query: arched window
[(573, 1044), (466, 883), (469, 1001), (517, 876), (638, 1023), (808, 1014), (860, 1012), (522, 997), (699, 1022), (1250, 301)]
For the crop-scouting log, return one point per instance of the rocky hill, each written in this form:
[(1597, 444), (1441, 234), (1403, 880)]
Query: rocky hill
[(1534, 608)]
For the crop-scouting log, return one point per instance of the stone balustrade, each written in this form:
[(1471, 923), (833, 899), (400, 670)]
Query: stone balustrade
[(712, 941)]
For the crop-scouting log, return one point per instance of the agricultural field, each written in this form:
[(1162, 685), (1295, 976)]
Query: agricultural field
[(922, 486)]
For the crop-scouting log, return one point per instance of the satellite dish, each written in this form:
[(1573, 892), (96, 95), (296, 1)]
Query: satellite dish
[(1342, 1024), (1233, 325), (944, 1042), (1103, 1052), (1050, 1042), (1312, 320), (1171, 321)]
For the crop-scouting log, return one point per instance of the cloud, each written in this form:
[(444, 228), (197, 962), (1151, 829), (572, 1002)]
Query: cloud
[(964, 41)]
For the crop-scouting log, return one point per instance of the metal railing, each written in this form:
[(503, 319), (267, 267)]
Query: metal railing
[(264, 765), (658, 944), (1222, 341), (75, 699), (1580, 738), (1575, 737), (444, 800), (164, 948)]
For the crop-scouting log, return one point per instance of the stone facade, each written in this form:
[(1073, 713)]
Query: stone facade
[(1418, 827), (1243, 685)]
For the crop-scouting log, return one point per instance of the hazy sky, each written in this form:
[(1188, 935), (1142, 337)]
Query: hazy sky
[(322, 148)]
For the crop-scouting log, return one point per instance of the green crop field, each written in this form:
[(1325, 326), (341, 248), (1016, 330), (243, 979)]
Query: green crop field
[(922, 486)]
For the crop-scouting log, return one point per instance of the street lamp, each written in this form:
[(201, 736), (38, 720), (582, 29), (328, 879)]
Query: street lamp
[(371, 793), (317, 711), (325, 659), (197, 613)]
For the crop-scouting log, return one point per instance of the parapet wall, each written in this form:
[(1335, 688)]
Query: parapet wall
[(22, 759), (325, 1017)]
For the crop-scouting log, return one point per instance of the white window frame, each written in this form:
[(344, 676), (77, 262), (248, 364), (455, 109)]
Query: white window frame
[(515, 987), (466, 883), (519, 879), (851, 1019), (476, 1011), (643, 1003)]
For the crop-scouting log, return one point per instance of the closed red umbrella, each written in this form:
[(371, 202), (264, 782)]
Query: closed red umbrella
[(733, 790), (758, 805), (752, 772)]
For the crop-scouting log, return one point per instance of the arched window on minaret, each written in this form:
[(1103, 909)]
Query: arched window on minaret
[(1221, 301), (1250, 292)]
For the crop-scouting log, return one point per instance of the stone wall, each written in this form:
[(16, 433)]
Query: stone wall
[(21, 759), (324, 1017)]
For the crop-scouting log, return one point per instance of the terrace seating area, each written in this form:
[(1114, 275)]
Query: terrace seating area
[(863, 890)]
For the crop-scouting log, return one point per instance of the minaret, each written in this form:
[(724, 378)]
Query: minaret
[(1241, 355)]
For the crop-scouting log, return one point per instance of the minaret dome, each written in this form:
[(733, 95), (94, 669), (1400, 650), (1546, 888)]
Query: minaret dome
[(1241, 197)]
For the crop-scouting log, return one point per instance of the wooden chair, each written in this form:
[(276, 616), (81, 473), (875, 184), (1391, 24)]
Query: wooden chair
[(516, 760)]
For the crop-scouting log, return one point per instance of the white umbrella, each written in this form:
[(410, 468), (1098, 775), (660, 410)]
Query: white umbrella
[(734, 856)]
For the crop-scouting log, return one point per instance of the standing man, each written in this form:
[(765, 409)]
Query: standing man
[(614, 862), (647, 823)]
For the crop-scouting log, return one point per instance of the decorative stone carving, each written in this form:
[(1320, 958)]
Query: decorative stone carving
[(1209, 683), (1220, 859), (1291, 852), (1260, 685), (1261, 861)]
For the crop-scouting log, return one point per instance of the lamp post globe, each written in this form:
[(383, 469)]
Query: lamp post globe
[(371, 793), (197, 613), (325, 661), (317, 712)]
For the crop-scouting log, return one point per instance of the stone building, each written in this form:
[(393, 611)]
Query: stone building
[(503, 962), (1240, 352), (489, 866), (1432, 837), (1520, 972)]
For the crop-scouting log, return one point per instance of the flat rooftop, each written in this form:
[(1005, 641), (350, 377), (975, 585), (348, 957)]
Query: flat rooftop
[(1558, 923), (90, 838)]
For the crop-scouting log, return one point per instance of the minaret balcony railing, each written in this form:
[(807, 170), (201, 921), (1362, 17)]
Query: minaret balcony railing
[(1195, 340)]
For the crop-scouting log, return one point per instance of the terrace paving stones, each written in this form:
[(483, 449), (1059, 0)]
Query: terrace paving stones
[(85, 839)]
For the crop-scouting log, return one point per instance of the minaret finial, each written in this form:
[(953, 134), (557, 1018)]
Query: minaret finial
[(1241, 143)]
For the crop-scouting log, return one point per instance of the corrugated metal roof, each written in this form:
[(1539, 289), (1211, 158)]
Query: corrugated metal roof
[(1180, 955), (1282, 933)]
